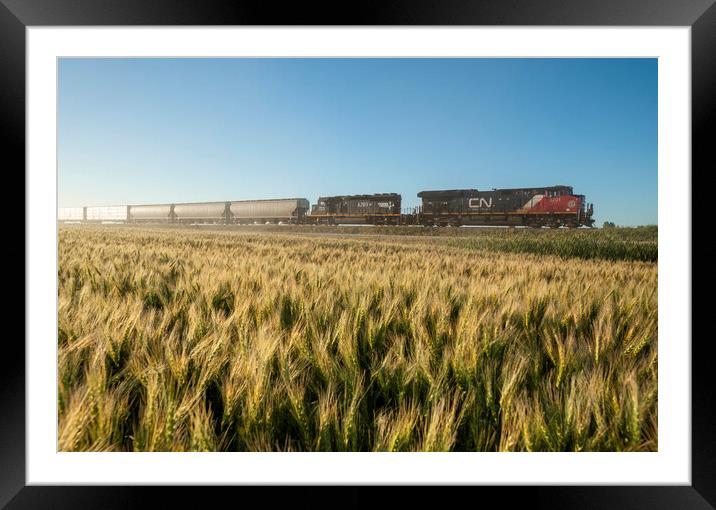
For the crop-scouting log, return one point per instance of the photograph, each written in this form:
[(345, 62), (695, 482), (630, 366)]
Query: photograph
[(290, 254)]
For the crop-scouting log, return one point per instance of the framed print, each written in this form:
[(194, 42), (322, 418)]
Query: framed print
[(419, 246)]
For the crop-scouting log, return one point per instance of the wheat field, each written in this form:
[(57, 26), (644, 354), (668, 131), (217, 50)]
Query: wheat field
[(247, 340)]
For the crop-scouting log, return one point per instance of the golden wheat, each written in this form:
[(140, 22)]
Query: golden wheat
[(177, 340)]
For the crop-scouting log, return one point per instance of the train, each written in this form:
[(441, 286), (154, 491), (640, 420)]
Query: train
[(536, 207)]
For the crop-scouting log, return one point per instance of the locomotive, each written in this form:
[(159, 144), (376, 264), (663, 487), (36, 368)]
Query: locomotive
[(551, 206), (377, 209)]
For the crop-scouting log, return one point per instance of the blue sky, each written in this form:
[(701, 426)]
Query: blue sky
[(182, 130)]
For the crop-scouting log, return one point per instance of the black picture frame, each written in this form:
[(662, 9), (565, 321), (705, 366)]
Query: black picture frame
[(700, 15)]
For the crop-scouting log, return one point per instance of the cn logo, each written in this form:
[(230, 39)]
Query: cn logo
[(571, 203), (476, 203)]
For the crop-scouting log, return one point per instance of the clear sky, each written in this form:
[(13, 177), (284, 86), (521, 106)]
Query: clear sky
[(134, 131)]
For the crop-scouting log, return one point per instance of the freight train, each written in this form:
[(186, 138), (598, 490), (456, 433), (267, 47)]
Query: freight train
[(551, 206)]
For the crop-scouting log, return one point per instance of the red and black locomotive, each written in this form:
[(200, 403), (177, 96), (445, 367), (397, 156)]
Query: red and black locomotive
[(553, 206)]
